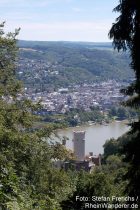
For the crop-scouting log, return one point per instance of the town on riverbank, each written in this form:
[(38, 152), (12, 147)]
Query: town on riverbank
[(80, 104)]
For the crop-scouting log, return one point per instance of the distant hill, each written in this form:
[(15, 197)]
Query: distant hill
[(93, 45), (53, 64)]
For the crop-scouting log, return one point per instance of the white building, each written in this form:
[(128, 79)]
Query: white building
[(79, 145)]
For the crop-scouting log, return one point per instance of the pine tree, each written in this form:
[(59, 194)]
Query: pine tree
[(125, 33)]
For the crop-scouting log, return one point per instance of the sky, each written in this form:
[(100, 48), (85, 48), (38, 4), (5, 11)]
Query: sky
[(59, 20)]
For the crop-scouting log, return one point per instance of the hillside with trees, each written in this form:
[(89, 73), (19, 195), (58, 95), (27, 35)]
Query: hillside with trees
[(55, 64)]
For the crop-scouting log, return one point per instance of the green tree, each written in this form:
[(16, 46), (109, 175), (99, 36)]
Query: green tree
[(125, 33), (28, 179), (88, 185), (110, 147), (113, 112), (122, 113)]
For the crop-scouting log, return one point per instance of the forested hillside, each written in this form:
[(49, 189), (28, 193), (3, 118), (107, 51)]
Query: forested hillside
[(65, 63)]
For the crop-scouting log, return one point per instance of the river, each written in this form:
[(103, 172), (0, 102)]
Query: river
[(96, 135)]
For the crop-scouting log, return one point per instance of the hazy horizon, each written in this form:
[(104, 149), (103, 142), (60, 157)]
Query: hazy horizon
[(99, 42)]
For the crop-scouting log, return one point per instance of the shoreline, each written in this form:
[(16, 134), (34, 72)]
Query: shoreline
[(126, 121)]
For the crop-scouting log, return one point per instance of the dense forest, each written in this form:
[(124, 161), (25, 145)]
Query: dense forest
[(55, 64)]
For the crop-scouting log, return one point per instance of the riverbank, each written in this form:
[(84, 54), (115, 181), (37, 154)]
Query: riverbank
[(90, 123)]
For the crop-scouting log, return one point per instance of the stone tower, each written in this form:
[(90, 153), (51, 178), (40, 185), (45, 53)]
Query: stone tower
[(79, 145)]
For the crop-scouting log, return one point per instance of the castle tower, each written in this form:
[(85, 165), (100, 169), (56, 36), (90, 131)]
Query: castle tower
[(79, 145)]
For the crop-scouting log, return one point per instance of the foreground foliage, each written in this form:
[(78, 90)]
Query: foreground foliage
[(28, 179)]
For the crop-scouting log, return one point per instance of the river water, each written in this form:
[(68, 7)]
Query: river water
[(96, 135)]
